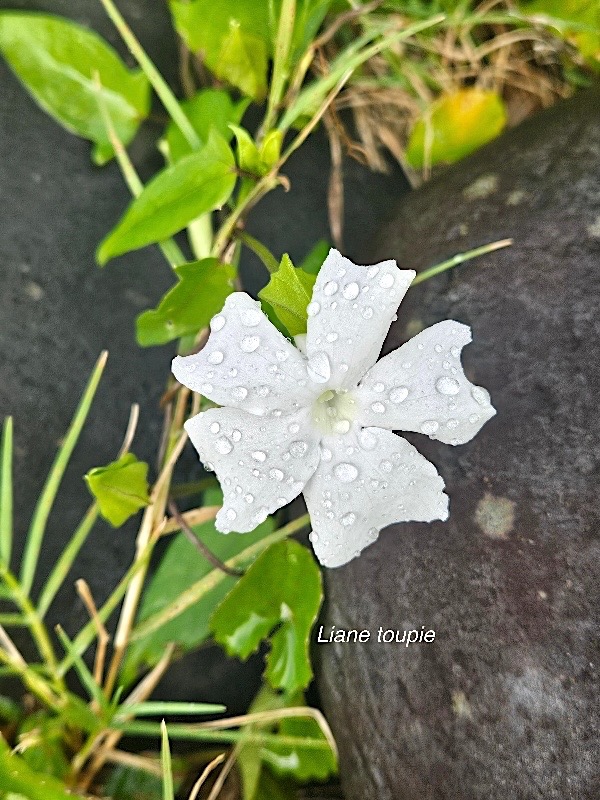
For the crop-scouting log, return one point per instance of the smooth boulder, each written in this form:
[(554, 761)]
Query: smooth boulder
[(502, 703)]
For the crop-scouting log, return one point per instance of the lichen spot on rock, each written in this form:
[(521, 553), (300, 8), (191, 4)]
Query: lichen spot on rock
[(495, 516), (516, 197), (483, 187), (594, 229)]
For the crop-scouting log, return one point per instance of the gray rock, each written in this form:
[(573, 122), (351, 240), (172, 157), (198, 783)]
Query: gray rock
[(502, 703)]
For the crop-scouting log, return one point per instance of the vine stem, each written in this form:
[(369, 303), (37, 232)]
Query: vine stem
[(161, 87), (460, 258)]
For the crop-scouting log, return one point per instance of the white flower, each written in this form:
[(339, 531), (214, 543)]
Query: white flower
[(322, 424)]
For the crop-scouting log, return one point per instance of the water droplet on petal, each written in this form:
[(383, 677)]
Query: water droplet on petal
[(455, 351), (367, 312), (398, 394), (453, 423), (330, 288), (223, 446), (378, 387), (249, 498), (217, 322), (319, 368), (326, 454), (259, 455), (343, 367), (378, 408), (438, 348), (312, 309), (368, 439), (386, 466), (473, 419), (232, 372), (263, 391), (239, 393), (250, 317), (386, 281), (429, 426), (480, 395), (346, 472), (236, 435), (230, 514), (350, 291), (276, 474), (447, 385), (348, 519), (332, 337), (215, 357), (341, 426), (215, 427), (298, 449), (294, 427), (281, 355), (250, 343)]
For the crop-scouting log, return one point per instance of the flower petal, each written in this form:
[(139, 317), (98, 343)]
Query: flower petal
[(246, 362), (365, 481), (421, 387), (261, 465), (349, 316)]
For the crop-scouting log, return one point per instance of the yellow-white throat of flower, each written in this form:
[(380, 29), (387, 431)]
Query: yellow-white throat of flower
[(334, 411)]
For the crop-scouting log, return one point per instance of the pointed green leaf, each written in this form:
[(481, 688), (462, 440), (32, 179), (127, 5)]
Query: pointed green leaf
[(182, 565), (199, 182), (288, 293), (120, 488), (247, 152), (189, 305), (209, 108), (456, 125), (314, 259), (277, 599), (57, 61), (232, 36)]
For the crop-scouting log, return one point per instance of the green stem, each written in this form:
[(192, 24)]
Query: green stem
[(259, 249), (6, 492), (460, 258), (34, 622), (281, 61), (182, 731), (197, 590), (169, 247), (161, 87), (65, 562), (46, 500)]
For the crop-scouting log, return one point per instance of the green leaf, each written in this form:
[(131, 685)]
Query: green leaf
[(278, 599), (189, 305), (209, 108), (165, 761), (270, 149), (16, 776), (288, 293), (198, 183), (46, 752), (313, 260), (232, 37), (126, 783), (456, 125), (182, 565), (576, 20), (57, 61), (286, 760), (120, 488)]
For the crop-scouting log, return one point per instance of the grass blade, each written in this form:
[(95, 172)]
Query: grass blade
[(165, 760), (6, 492), (460, 258), (48, 495), (151, 708), (65, 562), (85, 676)]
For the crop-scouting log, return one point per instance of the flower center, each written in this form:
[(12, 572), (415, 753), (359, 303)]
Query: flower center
[(333, 412)]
